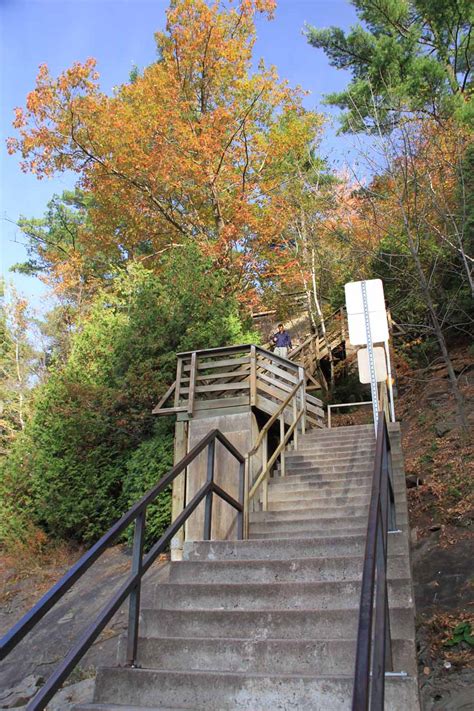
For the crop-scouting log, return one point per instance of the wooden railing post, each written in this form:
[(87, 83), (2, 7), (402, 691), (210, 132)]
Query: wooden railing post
[(179, 375), (343, 324), (134, 602), (295, 418), (253, 376), (302, 377), (192, 384), (282, 439), (264, 466), (246, 500)]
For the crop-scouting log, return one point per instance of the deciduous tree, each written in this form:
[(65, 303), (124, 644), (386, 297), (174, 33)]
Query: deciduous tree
[(190, 149)]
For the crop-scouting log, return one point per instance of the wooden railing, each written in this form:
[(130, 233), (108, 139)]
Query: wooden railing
[(315, 346), (237, 376), (254, 480)]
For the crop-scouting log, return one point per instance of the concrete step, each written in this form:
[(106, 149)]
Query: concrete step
[(358, 506), (291, 514), (335, 450), (310, 466), (309, 456), (220, 691), (316, 477), (272, 596), (277, 549), (321, 496), (277, 624), (120, 707), (317, 524), (309, 532), (311, 481), (260, 656), (320, 525), (329, 488), (299, 570)]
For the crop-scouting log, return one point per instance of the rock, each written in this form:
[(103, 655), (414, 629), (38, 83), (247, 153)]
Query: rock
[(413, 481), (65, 700), (70, 696), (442, 428), (20, 694)]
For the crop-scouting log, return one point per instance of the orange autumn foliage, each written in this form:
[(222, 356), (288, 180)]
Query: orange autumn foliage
[(190, 149)]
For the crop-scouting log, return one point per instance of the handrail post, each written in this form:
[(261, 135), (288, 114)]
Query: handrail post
[(295, 415), (134, 602), (253, 376), (240, 514), (343, 325), (302, 378), (282, 438), (192, 384), (211, 449), (246, 500), (264, 466), (179, 375)]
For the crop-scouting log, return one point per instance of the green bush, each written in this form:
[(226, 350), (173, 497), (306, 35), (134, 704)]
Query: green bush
[(91, 442), (145, 467)]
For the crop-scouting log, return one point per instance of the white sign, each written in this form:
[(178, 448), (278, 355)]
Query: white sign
[(355, 312), (380, 365)]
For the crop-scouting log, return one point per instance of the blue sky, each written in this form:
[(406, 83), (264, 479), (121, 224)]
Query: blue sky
[(119, 34)]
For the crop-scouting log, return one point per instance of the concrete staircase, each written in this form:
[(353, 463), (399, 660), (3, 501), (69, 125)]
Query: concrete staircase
[(271, 622)]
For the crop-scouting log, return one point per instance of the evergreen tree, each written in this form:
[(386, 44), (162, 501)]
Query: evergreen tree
[(407, 55)]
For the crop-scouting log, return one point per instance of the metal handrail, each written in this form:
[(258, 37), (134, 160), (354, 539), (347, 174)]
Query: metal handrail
[(267, 464), (140, 564), (274, 418), (374, 652), (344, 404)]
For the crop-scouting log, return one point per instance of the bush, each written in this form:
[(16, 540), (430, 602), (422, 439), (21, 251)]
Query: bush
[(91, 447), (146, 466)]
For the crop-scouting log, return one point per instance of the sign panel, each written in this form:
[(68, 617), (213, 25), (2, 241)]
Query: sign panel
[(375, 296), (355, 312), (380, 365), (378, 328)]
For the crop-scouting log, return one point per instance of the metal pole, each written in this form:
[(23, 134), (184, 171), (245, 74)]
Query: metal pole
[(211, 448), (370, 354), (134, 602), (390, 386)]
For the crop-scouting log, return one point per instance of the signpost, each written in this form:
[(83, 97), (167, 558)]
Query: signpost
[(367, 319)]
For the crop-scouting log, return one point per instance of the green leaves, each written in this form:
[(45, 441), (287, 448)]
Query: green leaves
[(410, 55), (92, 446), (461, 633)]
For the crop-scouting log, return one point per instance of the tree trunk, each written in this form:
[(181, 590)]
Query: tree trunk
[(425, 289), (321, 320)]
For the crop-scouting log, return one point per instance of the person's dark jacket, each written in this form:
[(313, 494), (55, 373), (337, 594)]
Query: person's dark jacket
[(282, 340)]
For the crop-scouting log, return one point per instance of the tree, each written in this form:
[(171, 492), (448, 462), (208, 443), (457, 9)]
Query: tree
[(408, 55), (188, 150), (412, 207), (58, 249), (92, 417), (16, 366)]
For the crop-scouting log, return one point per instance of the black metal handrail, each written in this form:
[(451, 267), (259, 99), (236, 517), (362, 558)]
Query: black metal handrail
[(374, 651), (140, 564)]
